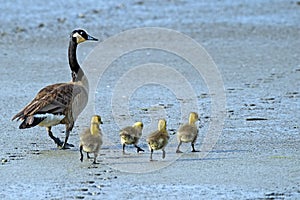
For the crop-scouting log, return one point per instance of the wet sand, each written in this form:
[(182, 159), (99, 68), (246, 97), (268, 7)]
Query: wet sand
[(256, 49)]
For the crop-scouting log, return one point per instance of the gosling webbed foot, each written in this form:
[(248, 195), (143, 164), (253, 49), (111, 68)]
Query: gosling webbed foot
[(138, 149), (178, 151), (193, 148)]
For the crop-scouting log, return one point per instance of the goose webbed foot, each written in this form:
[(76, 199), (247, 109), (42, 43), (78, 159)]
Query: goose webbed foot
[(56, 140), (66, 145)]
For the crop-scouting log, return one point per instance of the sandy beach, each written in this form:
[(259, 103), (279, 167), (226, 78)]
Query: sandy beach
[(254, 48)]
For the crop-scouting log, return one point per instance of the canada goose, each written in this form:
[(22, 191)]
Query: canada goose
[(131, 135), (159, 139), (188, 132), (91, 139), (59, 103)]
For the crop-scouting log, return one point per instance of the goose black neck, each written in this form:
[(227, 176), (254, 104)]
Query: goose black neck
[(77, 72)]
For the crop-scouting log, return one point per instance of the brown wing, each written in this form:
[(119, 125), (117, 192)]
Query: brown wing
[(53, 99)]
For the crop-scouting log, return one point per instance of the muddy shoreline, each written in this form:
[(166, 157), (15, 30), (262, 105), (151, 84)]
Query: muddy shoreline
[(256, 49)]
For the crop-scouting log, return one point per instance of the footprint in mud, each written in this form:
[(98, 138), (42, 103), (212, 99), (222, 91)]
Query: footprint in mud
[(89, 188), (94, 186), (292, 95)]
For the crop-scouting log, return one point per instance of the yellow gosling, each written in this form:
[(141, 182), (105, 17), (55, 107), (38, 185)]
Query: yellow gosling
[(131, 135), (91, 139), (159, 139), (188, 132)]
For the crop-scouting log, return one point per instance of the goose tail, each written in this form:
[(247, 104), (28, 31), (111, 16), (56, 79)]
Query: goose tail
[(30, 121)]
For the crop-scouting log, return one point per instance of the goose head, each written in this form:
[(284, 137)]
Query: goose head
[(79, 36)]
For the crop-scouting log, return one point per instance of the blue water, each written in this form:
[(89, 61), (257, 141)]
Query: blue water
[(40, 17)]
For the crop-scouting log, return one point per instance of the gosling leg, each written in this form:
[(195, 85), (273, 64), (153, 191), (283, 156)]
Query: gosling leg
[(95, 158), (164, 153), (177, 150), (123, 148), (193, 145), (81, 154), (193, 148), (151, 152)]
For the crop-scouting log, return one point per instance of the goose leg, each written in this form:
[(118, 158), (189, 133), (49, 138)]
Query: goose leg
[(66, 145), (138, 149), (57, 141), (177, 150), (81, 154)]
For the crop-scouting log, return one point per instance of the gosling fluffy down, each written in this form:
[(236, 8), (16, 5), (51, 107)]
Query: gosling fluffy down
[(188, 132), (91, 139), (131, 135), (159, 139)]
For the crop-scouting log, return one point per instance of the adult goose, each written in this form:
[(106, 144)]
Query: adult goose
[(60, 103)]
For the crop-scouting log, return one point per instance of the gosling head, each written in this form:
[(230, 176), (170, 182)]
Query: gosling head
[(162, 124), (79, 36), (139, 125), (96, 119), (193, 117)]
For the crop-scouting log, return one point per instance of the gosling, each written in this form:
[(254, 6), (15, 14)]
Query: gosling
[(91, 139), (131, 135), (159, 139), (188, 132)]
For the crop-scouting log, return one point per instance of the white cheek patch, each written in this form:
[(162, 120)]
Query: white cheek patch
[(78, 37), (50, 119)]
